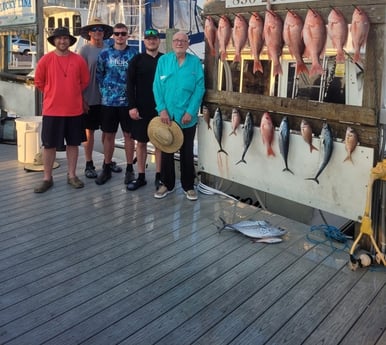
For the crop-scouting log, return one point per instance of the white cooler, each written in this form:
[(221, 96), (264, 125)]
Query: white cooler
[(28, 138)]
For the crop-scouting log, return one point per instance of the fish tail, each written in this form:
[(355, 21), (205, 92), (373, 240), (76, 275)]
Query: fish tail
[(301, 68), (313, 179), (356, 57), (340, 57), (312, 147), (277, 69), (233, 132), (237, 58), (223, 56), (222, 150), (288, 169), (213, 52), (224, 224), (242, 160), (316, 69), (270, 151), (209, 127), (348, 158), (257, 66)]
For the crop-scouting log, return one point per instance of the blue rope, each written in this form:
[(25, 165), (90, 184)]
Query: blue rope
[(332, 234)]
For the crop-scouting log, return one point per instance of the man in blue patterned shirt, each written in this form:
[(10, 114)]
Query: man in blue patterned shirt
[(111, 73)]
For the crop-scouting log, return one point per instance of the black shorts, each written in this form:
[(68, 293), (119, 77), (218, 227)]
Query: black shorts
[(92, 119), (113, 116), (59, 130), (139, 130)]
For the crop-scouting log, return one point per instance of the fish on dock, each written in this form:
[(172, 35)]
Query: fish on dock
[(284, 141), (248, 135), (259, 229), (218, 126), (328, 145)]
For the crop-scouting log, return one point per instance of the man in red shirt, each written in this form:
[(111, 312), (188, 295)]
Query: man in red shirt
[(62, 76)]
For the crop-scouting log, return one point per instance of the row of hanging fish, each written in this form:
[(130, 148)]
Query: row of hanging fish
[(267, 130), (304, 38)]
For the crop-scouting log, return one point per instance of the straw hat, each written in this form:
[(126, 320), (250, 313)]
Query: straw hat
[(107, 29), (37, 165), (168, 139), (62, 31)]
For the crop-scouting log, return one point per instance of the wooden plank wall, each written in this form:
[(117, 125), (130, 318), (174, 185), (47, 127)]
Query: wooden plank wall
[(364, 119)]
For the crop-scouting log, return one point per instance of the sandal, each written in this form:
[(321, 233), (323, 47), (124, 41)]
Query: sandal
[(44, 186), (90, 172)]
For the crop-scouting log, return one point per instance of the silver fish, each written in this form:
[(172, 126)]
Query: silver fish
[(248, 135), (218, 128), (328, 145), (254, 228), (284, 140)]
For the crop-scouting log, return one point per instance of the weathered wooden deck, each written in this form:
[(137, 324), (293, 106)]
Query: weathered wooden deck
[(106, 266)]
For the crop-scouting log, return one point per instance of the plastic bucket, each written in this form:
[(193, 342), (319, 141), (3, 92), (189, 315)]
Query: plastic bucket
[(28, 138)]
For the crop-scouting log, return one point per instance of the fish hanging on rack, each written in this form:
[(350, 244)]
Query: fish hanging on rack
[(328, 145), (314, 36), (218, 126), (267, 132), (206, 115), (210, 32), (247, 135), (350, 143), (273, 36), (239, 35), (256, 40), (306, 131), (292, 35), (235, 121), (360, 26), (284, 141), (224, 32), (337, 30)]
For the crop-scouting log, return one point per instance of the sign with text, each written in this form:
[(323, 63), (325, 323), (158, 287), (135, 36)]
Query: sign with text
[(246, 3), (17, 12)]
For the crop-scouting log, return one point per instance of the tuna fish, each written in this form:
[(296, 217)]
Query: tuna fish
[(306, 131), (256, 41), (360, 26), (236, 119), (248, 135), (239, 35), (224, 32), (254, 228), (210, 32), (206, 115), (267, 131), (284, 140), (328, 145), (273, 36), (314, 36), (292, 35), (337, 30), (351, 142), (218, 129)]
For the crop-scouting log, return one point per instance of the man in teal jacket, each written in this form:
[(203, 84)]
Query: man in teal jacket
[(178, 90)]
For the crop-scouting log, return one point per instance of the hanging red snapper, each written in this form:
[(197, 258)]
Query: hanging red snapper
[(256, 41), (206, 115), (273, 36), (337, 30), (351, 142), (210, 32), (314, 36), (292, 35), (235, 121), (224, 33), (267, 131), (360, 26), (306, 131), (239, 35)]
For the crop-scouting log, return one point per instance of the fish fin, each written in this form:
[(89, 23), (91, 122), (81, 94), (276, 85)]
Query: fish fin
[(222, 150), (301, 68), (257, 66), (313, 179), (288, 169), (270, 151), (242, 160)]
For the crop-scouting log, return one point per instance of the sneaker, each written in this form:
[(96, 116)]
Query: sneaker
[(135, 184), (162, 192), (105, 175), (44, 186), (191, 194), (157, 183), (115, 168), (90, 172), (75, 182), (129, 176)]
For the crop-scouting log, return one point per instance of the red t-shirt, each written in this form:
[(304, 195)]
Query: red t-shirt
[(62, 80)]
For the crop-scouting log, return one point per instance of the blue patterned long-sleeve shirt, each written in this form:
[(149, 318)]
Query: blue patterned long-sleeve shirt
[(111, 73), (179, 88)]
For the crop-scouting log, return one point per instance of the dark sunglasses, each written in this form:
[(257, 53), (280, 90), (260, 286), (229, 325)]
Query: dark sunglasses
[(97, 29), (120, 33), (151, 32)]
